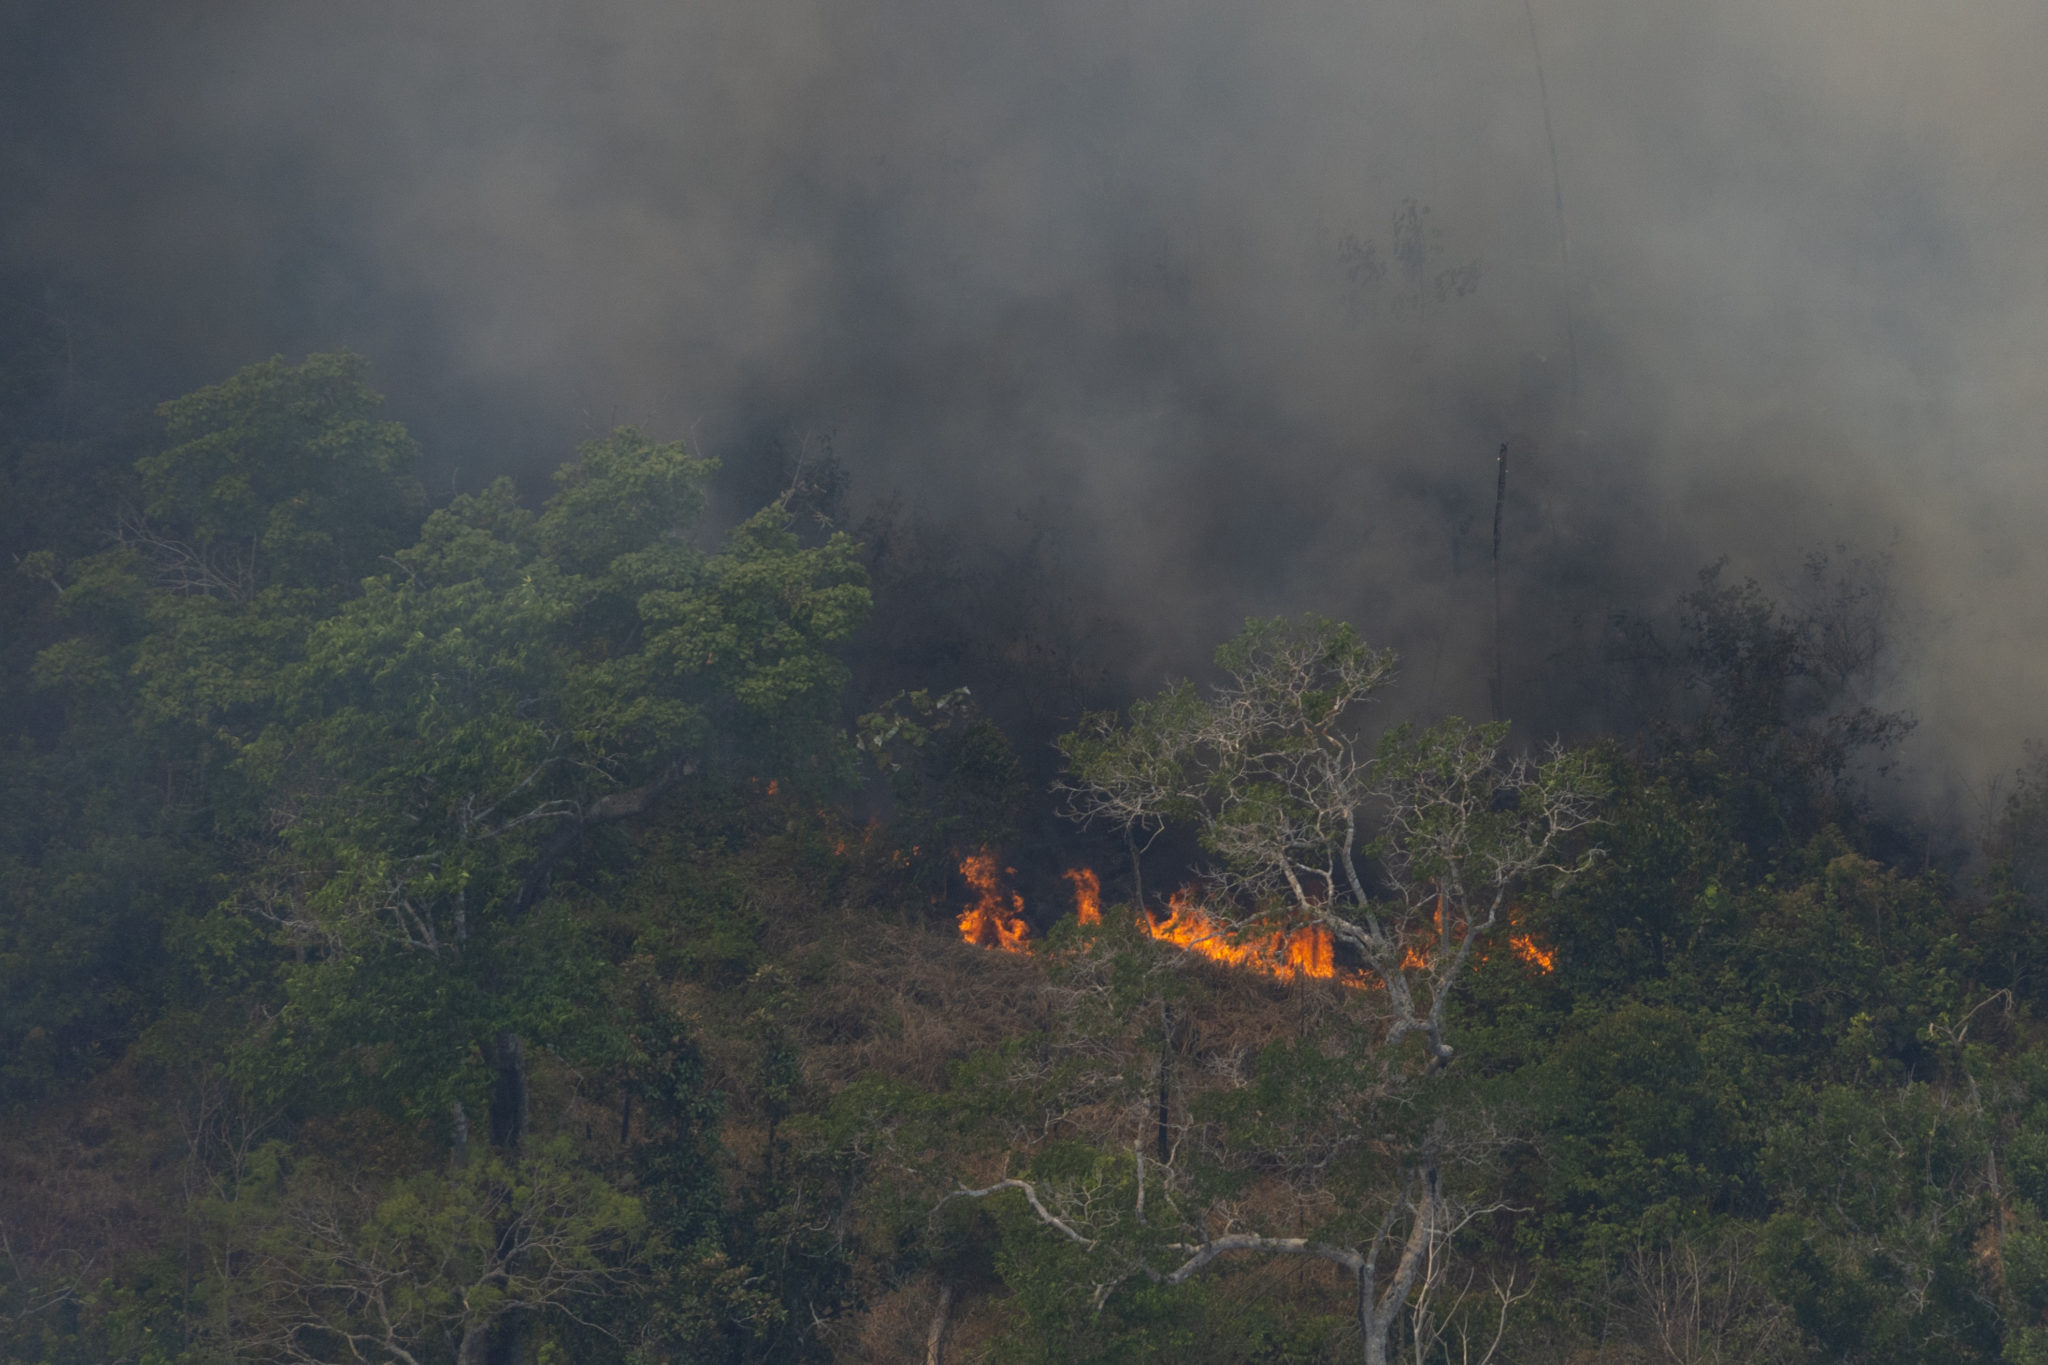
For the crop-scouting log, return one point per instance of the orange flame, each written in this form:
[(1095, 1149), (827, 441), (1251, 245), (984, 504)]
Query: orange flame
[(1530, 951), (1525, 946), (1309, 950), (986, 922), (1087, 894), (996, 920)]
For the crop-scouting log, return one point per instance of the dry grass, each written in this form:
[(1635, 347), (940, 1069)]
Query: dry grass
[(94, 1179)]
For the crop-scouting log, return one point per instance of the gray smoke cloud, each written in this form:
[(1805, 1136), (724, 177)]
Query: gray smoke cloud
[(1243, 298)]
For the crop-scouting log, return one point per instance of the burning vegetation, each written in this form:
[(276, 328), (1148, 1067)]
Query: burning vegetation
[(1543, 959), (1087, 894), (995, 919), (1308, 950)]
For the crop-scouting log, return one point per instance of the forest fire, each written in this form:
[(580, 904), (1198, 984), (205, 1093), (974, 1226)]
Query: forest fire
[(1542, 959), (1284, 953), (1525, 947), (1087, 894), (994, 920)]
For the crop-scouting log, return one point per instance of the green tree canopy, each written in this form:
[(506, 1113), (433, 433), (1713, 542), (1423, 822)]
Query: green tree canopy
[(511, 683)]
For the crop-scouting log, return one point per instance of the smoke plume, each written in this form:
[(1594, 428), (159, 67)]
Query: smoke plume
[(1241, 299)]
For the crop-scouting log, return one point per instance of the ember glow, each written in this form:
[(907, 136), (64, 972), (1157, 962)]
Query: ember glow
[(996, 918), (1525, 947), (1535, 954)]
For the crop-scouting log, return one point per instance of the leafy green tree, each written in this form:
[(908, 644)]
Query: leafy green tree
[(1645, 1135), (512, 685), (2010, 930), (276, 492), (406, 746), (954, 782), (280, 477), (1878, 1250), (1777, 701)]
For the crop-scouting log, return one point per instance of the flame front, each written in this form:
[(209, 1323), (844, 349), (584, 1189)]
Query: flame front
[(1309, 950), (994, 920), (1087, 894)]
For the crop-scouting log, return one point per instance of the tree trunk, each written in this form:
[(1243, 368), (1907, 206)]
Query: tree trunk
[(476, 1344), (942, 1318), (1137, 870), (1500, 498), (509, 1341), (509, 1112), (1165, 1136), (1373, 1344), (1376, 1319)]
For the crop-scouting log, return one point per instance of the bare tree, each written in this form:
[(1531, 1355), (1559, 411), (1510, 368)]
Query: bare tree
[(1702, 1301), (340, 1267), (1402, 1263), (227, 570), (1408, 852)]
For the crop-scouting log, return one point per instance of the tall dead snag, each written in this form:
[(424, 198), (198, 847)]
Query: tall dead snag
[(1406, 850), (1500, 499)]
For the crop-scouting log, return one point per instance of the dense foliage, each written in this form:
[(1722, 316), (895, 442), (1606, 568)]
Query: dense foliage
[(500, 931)]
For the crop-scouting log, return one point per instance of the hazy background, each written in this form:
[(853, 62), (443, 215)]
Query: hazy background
[(1217, 307)]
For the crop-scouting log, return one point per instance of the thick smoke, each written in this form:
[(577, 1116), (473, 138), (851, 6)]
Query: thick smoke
[(1243, 298)]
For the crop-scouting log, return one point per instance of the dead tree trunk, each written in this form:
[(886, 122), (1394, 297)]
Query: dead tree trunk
[(1500, 498), (942, 1318)]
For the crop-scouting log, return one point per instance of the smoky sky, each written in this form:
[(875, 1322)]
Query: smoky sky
[(1241, 298)]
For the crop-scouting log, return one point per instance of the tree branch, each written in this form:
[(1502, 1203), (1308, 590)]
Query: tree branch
[(1245, 1241), (617, 806), (1045, 1215)]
